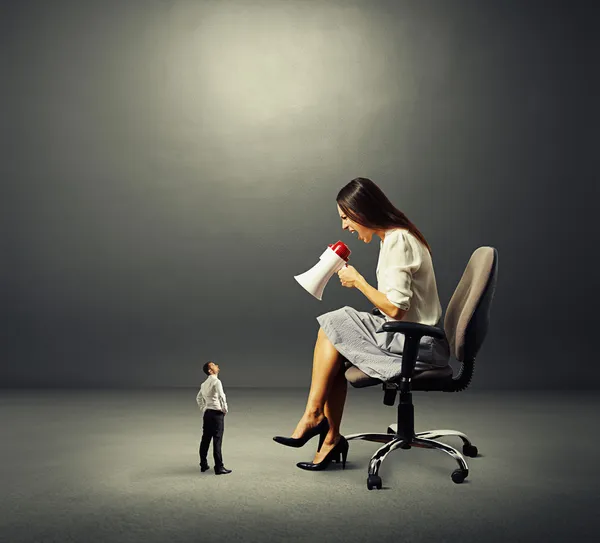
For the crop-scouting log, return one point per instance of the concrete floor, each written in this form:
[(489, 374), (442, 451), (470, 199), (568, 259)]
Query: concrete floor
[(121, 466)]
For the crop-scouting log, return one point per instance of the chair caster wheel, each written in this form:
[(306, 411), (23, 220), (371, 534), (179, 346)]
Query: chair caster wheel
[(458, 476), (470, 450), (374, 481)]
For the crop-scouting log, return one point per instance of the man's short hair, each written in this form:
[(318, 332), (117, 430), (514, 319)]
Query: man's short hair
[(206, 368)]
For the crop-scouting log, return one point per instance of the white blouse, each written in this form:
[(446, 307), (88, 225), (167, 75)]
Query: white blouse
[(405, 275)]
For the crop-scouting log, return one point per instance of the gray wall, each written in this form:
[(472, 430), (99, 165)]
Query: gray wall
[(168, 166)]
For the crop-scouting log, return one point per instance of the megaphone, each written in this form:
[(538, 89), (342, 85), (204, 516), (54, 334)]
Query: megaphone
[(331, 261)]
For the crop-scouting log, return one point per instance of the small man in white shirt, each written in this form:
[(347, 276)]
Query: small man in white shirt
[(211, 400)]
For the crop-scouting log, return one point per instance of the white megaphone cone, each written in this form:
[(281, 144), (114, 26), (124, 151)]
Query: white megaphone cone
[(331, 261)]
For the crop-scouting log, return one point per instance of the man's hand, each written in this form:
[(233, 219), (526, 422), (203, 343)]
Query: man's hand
[(349, 277)]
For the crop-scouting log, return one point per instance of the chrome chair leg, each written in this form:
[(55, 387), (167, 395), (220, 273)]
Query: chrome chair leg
[(393, 442), (436, 434), (468, 448), (378, 438), (432, 444), (378, 458), (425, 440)]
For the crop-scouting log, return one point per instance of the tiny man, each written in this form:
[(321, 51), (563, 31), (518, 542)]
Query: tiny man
[(211, 400)]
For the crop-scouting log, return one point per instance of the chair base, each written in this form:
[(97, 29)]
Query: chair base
[(425, 440)]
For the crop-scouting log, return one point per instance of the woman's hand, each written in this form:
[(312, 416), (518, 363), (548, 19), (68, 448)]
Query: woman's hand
[(349, 277)]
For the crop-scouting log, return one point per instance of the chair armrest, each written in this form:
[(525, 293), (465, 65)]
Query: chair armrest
[(409, 328), (414, 329), (413, 332)]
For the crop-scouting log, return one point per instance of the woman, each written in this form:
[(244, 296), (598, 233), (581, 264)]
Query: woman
[(406, 290)]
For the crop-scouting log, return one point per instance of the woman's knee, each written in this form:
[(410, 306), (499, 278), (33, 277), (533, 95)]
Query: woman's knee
[(323, 337)]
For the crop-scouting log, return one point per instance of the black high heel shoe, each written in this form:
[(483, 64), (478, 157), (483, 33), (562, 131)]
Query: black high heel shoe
[(322, 429), (338, 454)]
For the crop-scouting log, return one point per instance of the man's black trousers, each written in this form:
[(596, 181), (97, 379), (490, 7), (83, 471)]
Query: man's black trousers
[(212, 428)]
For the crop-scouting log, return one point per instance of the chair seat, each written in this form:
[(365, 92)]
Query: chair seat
[(436, 379)]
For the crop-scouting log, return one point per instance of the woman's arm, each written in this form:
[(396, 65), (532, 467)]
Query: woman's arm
[(349, 277), (379, 299)]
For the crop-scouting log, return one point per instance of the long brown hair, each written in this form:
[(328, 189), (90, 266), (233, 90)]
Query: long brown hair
[(366, 204)]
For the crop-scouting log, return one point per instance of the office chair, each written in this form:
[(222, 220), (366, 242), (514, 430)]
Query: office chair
[(465, 326)]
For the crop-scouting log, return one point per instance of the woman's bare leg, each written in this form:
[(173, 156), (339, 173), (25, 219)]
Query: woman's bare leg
[(334, 405), (326, 367), (334, 409)]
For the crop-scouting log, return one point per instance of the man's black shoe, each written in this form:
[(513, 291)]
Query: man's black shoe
[(204, 467), (222, 471)]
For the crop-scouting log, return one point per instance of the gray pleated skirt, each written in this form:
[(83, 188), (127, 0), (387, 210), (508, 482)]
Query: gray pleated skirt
[(355, 335)]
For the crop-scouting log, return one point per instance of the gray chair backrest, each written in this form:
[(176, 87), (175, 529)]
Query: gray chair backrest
[(468, 313)]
